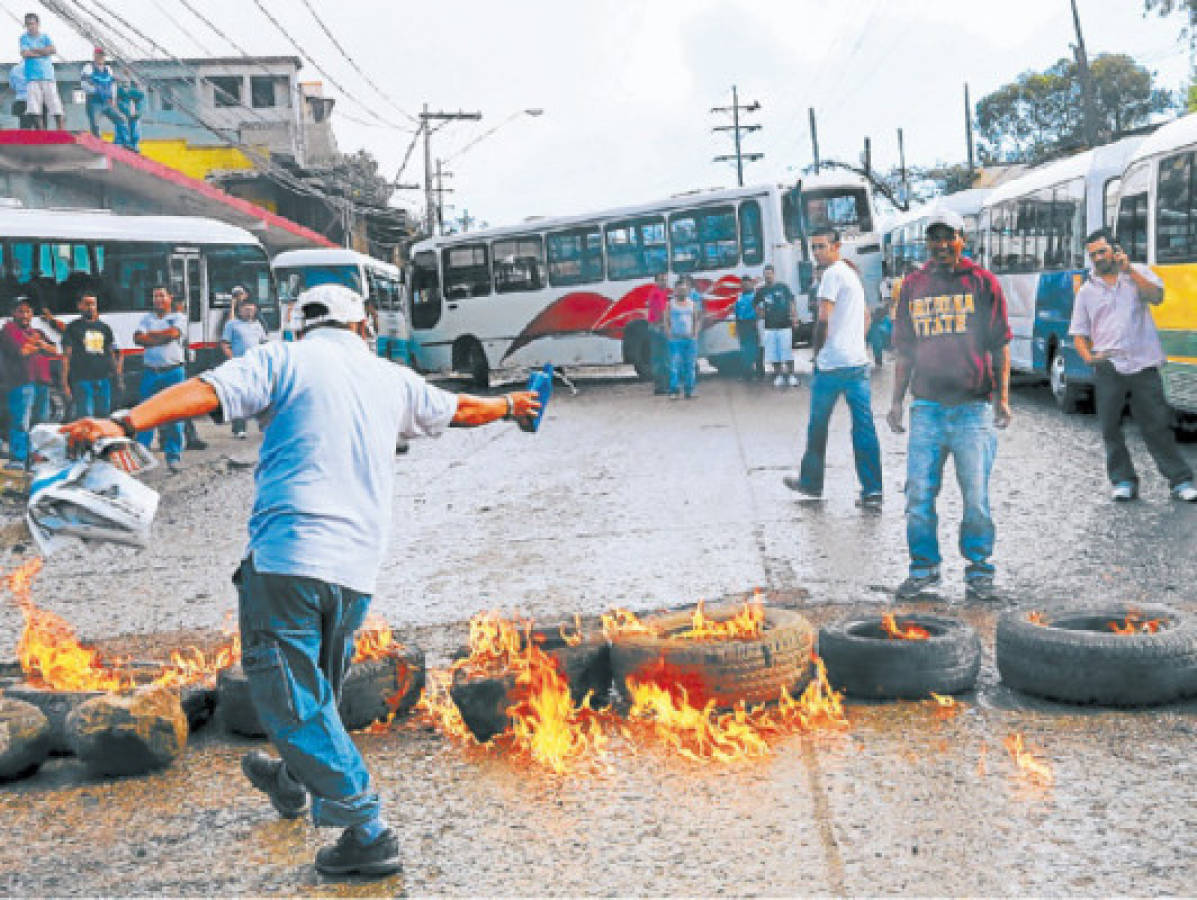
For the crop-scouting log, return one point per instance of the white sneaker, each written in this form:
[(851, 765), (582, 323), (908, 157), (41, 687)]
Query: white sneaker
[(241, 436), (1125, 490), (793, 381), (779, 381), (1185, 491)]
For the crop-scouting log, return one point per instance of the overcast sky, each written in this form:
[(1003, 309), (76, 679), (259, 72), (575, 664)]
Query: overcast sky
[(626, 87)]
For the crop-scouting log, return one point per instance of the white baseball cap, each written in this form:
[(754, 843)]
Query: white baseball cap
[(331, 303), (947, 218)]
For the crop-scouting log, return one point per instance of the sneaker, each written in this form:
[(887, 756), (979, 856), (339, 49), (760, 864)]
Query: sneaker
[(691, 395), (197, 444), (779, 381), (870, 501), (349, 857), (1185, 491), (793, 381), (1126, 490), (174, 466), (264, 774), (980, 590), (240, 436), (915, 585), (675, 396), (794, 483)]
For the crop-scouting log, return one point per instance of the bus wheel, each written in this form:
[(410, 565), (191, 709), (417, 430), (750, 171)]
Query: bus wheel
[(1069, 396), (637, 349), (478, 367)]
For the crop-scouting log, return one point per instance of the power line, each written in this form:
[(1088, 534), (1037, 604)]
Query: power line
[(328, 33), (735, 128), (190, 35)]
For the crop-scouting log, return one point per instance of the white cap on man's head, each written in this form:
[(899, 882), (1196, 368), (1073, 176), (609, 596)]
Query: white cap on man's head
[(331, 303), (946, 217)]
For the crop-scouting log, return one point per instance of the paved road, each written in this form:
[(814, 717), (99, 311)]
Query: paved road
[(633, 500)]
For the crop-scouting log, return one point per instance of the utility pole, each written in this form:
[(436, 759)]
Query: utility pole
[(466, 220), (735, 109), (968, 132), (814, 139), (902, 168), (1082, 64), (441, 190), (867, 158), (426, 120)]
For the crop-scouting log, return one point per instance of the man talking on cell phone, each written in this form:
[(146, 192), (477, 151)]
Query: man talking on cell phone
[(1113, 331)]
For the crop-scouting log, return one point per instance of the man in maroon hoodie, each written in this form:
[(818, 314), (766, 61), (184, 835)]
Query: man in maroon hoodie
[(952, 339)]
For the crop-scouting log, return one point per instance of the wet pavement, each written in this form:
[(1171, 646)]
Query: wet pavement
[(626, 499)]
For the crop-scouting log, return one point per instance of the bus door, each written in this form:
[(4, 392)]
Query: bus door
[(186, 284)]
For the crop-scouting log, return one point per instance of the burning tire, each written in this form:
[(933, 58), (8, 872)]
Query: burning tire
[(865, 661), (1076, 656), (754, 671), (372, 689)]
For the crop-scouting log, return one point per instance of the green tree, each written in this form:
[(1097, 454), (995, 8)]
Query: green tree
[(1039, 113), (356, 177)]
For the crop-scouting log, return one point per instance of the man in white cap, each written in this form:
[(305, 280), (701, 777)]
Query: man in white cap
[(317, 535), (952, 338)]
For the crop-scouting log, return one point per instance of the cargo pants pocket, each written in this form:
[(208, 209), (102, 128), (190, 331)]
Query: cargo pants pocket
[(271, 686)]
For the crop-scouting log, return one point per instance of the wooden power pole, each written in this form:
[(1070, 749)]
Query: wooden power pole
[(968, 132), (1082, 63)]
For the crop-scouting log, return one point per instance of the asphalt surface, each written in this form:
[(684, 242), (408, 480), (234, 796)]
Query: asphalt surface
[(625, 499)]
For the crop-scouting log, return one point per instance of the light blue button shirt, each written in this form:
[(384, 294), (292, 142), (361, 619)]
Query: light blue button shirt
[(37, 68), (242, 336), (326, 470), (164, 355)]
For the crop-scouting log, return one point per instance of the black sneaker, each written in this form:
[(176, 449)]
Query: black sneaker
[(263, 773), (981, 590), (197, 444), (794, 483), (870, 501), (915, 585), (349, 857)]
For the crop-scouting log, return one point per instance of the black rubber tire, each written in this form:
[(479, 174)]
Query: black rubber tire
[(367, 687), (479, 368), (1073, 660), (863, 662), (637, 350), (1069, 397), (725, 671)]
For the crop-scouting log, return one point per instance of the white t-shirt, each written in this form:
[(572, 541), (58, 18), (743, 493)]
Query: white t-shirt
[(845, 345)]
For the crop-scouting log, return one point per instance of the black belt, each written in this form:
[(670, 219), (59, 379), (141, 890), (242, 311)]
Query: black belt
[(165, 368)]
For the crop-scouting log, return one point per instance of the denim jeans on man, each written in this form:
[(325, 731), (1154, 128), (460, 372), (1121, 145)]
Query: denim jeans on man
[(170, 436), (683, 358), (966, 433), (96, 108), (92, 398), (825, 389), (297, 641), (27, 404)]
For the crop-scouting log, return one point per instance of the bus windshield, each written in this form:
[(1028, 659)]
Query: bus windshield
[(294, 280), (844, 209)]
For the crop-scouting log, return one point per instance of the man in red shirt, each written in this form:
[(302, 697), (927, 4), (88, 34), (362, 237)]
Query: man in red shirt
[(24, 355), (655, 303), (952, 335)]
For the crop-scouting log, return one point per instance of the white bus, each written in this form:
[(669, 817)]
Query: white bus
[(905, 245), (1157, 225), (52, 256), (1034, 231), (380, 283), (845, 202), (571, 290)]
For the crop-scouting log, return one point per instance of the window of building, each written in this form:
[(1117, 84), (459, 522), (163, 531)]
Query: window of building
[(226, 90), (1176, 210), (752, 236), (703, 239), (575, 256), (467, 271), (636, 248), (261, 91), (519, 264)]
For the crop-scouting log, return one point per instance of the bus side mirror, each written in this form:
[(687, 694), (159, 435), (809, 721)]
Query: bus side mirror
[(806, 276)]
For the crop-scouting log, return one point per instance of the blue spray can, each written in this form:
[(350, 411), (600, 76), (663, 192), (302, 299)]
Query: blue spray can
[(542, 383)]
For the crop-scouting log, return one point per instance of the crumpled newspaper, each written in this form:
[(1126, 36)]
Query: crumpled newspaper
[(92, 497)]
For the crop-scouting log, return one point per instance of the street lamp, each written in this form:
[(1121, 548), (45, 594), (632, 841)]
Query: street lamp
[(532, 112)]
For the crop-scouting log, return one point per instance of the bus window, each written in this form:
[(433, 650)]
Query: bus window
[(791, 214), (295, 280), (467, 272), (130, 271), (844, 209), (751, 234), (575, 256), (636, 248), (425, 290), (519, 264), (703, 239), (1176, 215), (1132, 226), (248, 267), (1069, 215)]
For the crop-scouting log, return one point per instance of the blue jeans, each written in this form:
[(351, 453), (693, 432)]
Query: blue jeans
[(683, 357), (659, 350), (97, 108), (92, 398), (297, 641), (966, 433), (27, 403), (825, 389), (171, 436)]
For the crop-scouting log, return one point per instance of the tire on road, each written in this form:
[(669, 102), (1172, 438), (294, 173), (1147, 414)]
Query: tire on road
[(1076, 658), (637, 350), (753, 671), (864, 662)]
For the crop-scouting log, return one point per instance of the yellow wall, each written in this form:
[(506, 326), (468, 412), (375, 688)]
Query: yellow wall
[(199, 162)]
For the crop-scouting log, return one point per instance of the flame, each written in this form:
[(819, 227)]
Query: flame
[(374, 640), (745, 625), (1035, 617), (1135, 625), (945, 707), (192, 666), (573, 640), (1038, 772), (908, 631), (621, 621)]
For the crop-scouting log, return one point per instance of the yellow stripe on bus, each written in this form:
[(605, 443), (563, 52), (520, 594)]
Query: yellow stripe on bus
[(1178, 312)]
